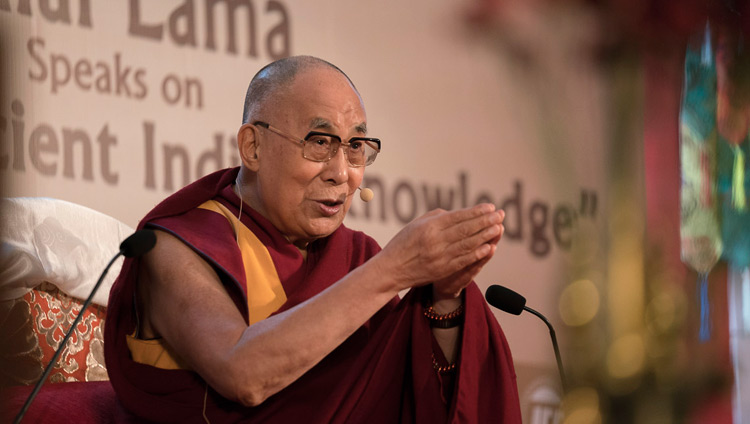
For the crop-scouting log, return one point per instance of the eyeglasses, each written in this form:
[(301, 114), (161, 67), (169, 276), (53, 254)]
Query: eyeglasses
[(321, 147)]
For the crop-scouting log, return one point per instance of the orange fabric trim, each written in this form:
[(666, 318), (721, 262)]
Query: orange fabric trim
[(155, 352), (265, 294)]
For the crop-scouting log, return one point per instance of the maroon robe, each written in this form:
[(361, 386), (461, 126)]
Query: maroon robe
[(382, 373)]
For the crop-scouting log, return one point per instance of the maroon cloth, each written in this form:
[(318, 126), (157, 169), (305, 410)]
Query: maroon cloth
[(77, 402), (382, 373)]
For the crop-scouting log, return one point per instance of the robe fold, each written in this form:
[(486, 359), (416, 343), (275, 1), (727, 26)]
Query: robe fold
[(383, 373)]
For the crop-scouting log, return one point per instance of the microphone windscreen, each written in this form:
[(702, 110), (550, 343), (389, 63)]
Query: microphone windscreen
[(366, 194), (138, 243), (505, 299)]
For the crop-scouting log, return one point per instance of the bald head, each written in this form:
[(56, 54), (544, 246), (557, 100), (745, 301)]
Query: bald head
[(277, 76)]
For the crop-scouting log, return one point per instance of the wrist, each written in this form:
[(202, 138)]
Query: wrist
[(388, 278)]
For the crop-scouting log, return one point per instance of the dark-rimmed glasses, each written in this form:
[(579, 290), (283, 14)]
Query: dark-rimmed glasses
[(321, 147)]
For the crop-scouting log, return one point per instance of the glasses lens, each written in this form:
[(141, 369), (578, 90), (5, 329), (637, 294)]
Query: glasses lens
[(357, 153), (369, 152), (320, 147)]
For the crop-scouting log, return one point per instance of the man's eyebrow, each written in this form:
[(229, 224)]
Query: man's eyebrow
[(321, 124), (325, 125)]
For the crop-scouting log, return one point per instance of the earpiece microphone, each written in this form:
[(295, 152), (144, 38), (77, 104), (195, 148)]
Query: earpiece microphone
[(365, 194)]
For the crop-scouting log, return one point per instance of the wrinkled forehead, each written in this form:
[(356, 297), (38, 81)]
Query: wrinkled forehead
[(322, 98), (322, 124)]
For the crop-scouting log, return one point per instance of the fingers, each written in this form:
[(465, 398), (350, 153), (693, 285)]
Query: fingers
[(467, 223), (496, 240), (483, 252), (471, 235), (451, 219), (441, 243), (450, 287), (467, 236)]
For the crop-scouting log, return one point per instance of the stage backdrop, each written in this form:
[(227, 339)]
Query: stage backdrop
[(116, 104)]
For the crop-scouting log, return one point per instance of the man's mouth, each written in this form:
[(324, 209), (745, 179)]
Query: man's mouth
[(332, 203), (330, 207)]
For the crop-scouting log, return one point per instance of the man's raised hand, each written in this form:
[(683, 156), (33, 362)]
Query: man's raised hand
[(448, 248)]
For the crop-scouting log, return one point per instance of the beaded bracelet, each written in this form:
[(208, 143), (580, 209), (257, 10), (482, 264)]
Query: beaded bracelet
[(449, 320)]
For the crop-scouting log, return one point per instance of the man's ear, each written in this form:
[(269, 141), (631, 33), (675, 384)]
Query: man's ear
[(247, 144)]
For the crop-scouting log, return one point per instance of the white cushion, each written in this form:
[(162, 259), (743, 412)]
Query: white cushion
[(66, 244)]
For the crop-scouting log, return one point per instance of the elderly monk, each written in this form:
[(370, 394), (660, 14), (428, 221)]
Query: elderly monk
[(258, 305)]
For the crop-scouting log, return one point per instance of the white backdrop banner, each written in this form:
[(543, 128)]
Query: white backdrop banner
[(116, 104)]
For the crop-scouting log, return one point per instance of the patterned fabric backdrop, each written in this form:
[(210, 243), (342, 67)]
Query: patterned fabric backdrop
[(34, 326)]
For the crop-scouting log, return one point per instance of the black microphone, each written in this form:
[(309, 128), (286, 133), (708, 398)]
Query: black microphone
[(136, 245), (139, 243), (511, 302)]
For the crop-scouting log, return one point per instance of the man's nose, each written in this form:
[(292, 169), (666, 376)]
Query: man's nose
[(337, 168)]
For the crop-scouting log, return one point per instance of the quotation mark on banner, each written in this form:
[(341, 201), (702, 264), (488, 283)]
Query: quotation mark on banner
[(588, 204)]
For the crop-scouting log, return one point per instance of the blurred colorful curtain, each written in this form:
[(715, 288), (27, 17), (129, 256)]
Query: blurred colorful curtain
[(700, 232), (714, 142)]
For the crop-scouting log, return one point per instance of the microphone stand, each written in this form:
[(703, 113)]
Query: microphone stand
[(554, 345), (64, 341), (136, 245)]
